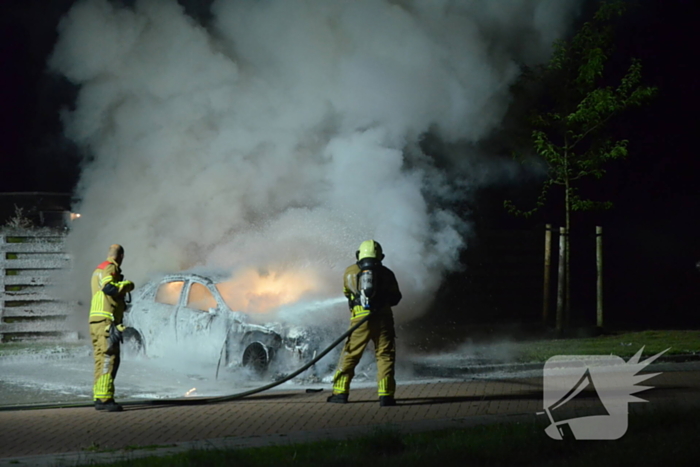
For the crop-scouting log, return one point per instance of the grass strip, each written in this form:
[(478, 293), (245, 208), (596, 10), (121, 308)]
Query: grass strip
[(622, 345)]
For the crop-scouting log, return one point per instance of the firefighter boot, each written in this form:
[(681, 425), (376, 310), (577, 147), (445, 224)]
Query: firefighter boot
[(387, 401), (109, 406), (338, 399)]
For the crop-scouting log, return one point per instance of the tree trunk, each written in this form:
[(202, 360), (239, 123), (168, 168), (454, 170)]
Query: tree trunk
[(567, 249), (599, 274), (561, 281), (547, 268)]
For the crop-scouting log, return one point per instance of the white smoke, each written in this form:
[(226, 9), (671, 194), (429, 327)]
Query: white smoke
[(287, 131)]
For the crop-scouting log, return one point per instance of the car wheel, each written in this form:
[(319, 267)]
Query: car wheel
[(256, 357), (133, 342)]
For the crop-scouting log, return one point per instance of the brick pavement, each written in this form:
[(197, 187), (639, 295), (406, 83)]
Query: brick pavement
[(53, 436)]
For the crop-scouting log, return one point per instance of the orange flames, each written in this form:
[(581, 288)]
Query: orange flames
[(169, 293), (259, 292)]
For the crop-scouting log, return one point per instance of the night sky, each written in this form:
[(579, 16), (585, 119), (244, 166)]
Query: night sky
[(655, 191), (35, 156)]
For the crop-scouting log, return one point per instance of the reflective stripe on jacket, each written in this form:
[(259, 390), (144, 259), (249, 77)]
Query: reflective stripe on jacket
[(102, 306)]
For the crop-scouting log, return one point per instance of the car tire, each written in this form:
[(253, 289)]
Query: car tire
[(256, 357), (133, 342)]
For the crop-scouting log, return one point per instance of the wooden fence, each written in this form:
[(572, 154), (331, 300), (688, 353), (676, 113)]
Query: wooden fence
[(29, 309)]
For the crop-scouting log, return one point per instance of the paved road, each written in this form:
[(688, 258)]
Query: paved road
[(69, 435)]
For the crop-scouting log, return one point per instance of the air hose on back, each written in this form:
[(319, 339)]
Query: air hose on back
[(207, 400)]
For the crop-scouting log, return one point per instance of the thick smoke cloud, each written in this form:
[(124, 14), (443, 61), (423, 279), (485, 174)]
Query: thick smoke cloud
[(285, 132)]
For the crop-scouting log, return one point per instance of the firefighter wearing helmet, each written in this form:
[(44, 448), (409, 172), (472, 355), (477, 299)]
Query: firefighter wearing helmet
[(106, 313), (371, 289)]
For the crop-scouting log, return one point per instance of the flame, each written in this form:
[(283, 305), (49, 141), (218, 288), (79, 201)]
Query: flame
[(259, 291), (169, 293), (251, 291)]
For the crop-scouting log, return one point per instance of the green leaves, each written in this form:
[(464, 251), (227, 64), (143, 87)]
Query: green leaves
[(571, 133), (592, 67), (610, 10), (541, 201), (579, 204), (597, 106), (544, 147)]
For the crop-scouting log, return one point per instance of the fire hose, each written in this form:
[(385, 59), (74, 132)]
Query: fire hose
[(204, 400)]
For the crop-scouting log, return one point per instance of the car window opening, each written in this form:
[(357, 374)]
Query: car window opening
[(200, 298), (169, 293)]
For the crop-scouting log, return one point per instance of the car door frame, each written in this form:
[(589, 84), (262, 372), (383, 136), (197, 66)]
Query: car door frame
[(144, 322), (221, 307)]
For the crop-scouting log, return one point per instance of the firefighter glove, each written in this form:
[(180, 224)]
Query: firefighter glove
[(125, 287), (115, 338)]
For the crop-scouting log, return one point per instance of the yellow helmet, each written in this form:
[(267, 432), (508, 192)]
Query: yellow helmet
[(369, 249)]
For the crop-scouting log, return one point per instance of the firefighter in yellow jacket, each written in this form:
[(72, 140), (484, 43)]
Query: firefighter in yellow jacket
[(371, 289), (106, 314)]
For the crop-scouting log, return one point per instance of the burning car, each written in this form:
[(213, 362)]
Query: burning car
[(198, 311)]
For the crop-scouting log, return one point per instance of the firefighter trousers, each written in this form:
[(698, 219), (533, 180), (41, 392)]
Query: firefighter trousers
[(380, 330), (106, 366)]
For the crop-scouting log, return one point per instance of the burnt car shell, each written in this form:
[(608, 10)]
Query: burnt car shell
[(188, 309)]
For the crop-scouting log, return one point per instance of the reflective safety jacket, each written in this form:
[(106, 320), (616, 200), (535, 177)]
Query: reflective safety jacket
[(386, 295), (109, 305)]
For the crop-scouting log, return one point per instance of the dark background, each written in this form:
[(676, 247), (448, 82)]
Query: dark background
[(652, 235)]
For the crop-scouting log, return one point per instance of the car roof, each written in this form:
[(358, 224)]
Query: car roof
[(212, 278)]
